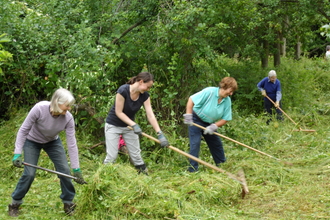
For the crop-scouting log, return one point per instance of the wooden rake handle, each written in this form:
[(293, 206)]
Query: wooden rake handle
[(244, 145), (282, 111), (230, 175)]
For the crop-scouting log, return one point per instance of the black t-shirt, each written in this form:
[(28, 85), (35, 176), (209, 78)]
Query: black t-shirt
[(130, 107)]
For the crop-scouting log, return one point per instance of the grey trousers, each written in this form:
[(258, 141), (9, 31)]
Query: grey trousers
[(132, 141)]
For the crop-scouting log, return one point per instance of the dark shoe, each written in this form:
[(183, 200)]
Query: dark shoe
[(142, 169), (145, 171), (69, 208), (192, 170), (13, 210)]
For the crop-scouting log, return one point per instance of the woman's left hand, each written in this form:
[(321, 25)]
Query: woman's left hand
[(211, 129), (162, 139)]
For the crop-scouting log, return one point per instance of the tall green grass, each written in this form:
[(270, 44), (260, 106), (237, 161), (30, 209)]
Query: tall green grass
[(277, 191)]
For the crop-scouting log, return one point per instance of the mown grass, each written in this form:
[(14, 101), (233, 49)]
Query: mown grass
[(277, 190)]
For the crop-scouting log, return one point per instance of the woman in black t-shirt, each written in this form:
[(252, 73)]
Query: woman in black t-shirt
[(129, 99)]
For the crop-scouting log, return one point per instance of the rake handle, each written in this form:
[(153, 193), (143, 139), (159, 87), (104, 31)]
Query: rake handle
[(232, 176), (244, 145), (282, 111), (51, 171)]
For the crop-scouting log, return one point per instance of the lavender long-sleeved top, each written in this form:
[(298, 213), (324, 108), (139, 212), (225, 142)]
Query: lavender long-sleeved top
[(41, 127)]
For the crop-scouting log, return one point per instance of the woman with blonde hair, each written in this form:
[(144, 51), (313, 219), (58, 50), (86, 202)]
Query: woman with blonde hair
[(40, 131)]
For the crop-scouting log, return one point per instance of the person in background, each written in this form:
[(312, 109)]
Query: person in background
[(129, 99), (210, 108), (327, 53), (121, 143), (40, 130), (270, 86)]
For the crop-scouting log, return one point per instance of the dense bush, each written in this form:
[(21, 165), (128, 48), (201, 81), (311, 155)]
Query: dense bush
[(78, 45)]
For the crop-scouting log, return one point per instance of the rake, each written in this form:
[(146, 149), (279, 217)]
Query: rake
[(244, 145), (240, 177), (300, 129), (51, 171)]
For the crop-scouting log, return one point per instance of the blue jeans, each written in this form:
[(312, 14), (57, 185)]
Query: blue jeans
[(213, 142), (56, 153)]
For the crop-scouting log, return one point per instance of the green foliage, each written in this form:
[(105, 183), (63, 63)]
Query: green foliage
[(93, 47), (303, 82), (325, 30), (5, 56)]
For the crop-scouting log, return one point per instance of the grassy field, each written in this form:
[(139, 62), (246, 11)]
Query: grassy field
[(277, 190)]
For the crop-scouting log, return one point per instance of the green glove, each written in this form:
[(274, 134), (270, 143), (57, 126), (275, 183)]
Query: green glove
[(17, 161), (79, 179)]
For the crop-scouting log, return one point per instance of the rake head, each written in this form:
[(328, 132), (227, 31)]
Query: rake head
[(241, 177)]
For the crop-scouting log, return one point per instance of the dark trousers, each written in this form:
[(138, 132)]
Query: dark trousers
[(269, 107), (213, 142)]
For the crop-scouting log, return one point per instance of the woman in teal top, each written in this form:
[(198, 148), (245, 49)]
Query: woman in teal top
[(210, 108)]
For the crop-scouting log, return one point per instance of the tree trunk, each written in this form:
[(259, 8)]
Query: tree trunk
[(264, 54), (282, 35), (282, 46), (297, 49), (277, 54)]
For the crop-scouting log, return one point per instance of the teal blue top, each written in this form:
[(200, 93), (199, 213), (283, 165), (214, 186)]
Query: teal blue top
[(207, 108)]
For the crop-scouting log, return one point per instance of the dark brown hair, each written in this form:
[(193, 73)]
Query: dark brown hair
[(144, 76), (228, 82)]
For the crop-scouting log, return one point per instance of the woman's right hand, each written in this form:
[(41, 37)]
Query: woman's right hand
[(188, 119), (137, 130)]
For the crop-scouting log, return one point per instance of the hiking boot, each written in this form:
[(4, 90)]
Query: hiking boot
[(13, 210), (69, 208)]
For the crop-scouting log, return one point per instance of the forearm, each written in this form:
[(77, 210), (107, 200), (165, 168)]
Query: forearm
[(71, 142), (153, 121), (74, 158), (220, 123), (189, 106), (278, 96), (122, 116)]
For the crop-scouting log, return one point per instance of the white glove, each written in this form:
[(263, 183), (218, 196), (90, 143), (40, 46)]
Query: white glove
[(263, 92), (188, 119), (277, 104), (210, 129)]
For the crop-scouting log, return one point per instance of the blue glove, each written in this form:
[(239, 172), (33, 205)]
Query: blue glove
[(137, 130), (188, 119), (17, 161), (79, 179), (210, 129), (162, 139)]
